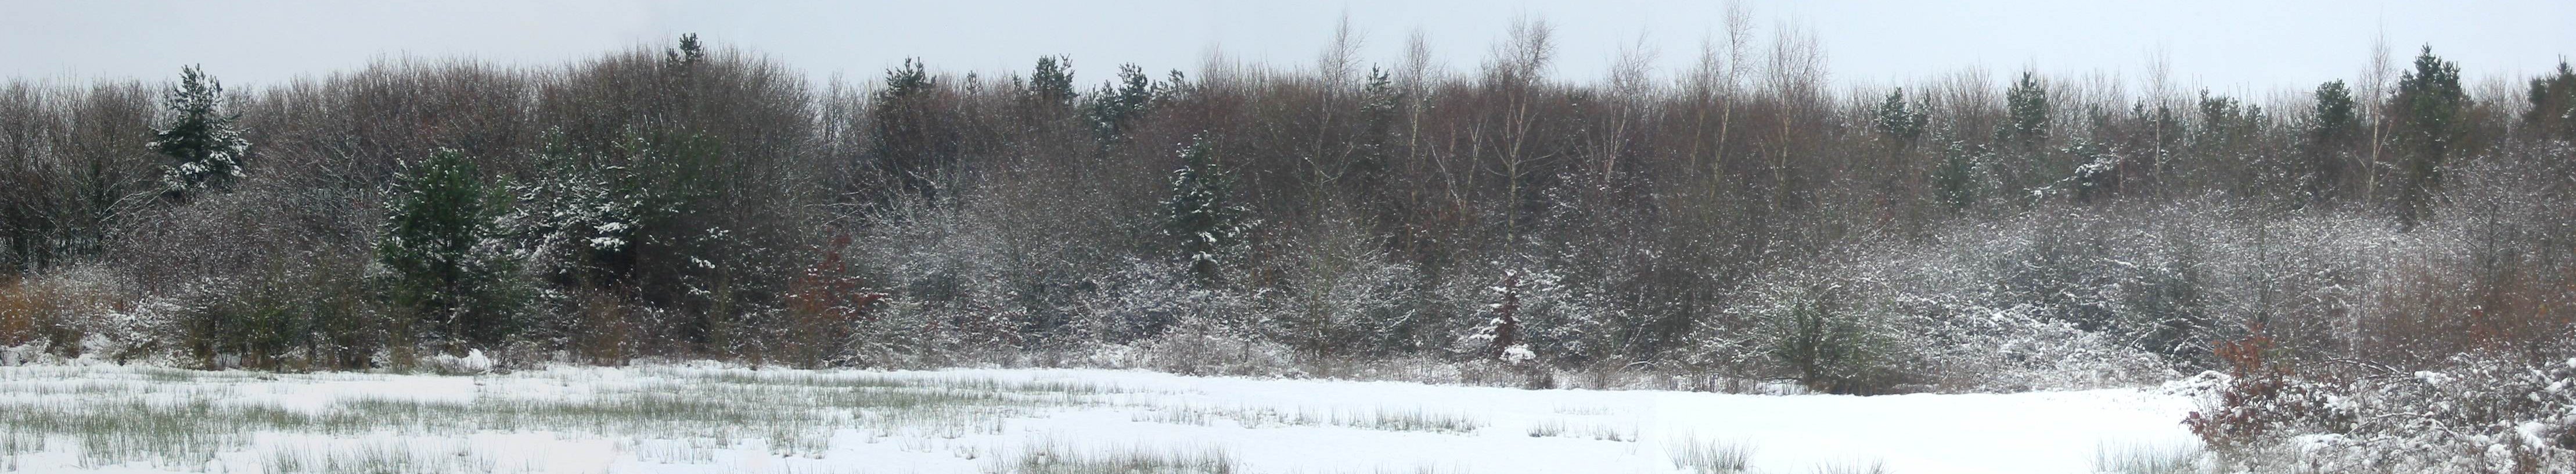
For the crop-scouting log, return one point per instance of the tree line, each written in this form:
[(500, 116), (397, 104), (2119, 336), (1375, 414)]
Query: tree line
[(1740, 218)]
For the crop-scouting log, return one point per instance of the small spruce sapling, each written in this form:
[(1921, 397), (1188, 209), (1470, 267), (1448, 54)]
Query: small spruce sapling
[(1201, 212), (1500, 335), (1826, 343)]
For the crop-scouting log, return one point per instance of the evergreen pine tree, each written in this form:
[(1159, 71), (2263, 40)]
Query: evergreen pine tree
[(2332, 124), (1120, 102), (2553, 103), (1499, 337), (443, 248), (1201, 212), (688, 53), (911, 140), (1898, 121), (205, 150), (2429, 106), (2027, 106), (1957, 182), (2025, 135), (1051, 82), (1380, 105)]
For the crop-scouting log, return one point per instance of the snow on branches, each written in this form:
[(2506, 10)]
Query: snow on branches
[(204, 148)]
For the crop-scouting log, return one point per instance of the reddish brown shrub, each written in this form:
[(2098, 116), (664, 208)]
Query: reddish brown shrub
[(823, 307), (2261, 397), (19, 305), (605, 328)]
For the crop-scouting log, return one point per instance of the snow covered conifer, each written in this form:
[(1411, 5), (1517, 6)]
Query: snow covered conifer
[(689, 53), (205, 150), (912, 139), (1822, 340), (1499, 337), (1201, 212), (2431, 114), (1119, 103), (2553, 103), (2334, 121), (1051, 82), (1961, 176), (1380, 104), (2027, 104), (1898, 121), (443, 249)]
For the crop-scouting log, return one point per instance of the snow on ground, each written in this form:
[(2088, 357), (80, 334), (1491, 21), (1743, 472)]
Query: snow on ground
[(694, 419)]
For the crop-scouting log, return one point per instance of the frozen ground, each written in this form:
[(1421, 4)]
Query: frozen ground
[(705, 419)]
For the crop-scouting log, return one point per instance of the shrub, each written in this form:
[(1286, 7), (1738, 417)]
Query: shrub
[(19, 306), (1827, 343), (295, 315), (603, 328), (55, 312), (2260, 402), (824, 306), (2481, 412), (448, 265), (1204, 346), (1343, 295)]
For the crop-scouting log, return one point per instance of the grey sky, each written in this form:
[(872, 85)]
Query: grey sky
[(2234, 45)]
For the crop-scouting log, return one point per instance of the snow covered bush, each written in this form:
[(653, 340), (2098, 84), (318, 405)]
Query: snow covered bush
[(51, 314), (654, 215), (444, 254), (20, 309), (1825, 339), (1201, 213), (1569, 324), (1135, 301), (270, 275), (2036, 302), (1046, 266), (1880, 334), (472, 363), (1526, 317), (1157, 315), (2479, 413), (147, 329), (1209, 346), (2260, 401), (1342, 294), (318, 314)]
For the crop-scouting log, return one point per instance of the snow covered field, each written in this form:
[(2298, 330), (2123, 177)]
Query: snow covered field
[(708, 419)]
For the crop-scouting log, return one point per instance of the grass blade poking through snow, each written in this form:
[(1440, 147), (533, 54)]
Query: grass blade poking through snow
[(1872, 467), (1410, 420), (2146, 459), (1059, 460), (1711, 457)]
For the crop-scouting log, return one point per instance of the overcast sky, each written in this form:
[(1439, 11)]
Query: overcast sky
[(2238, 45)]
